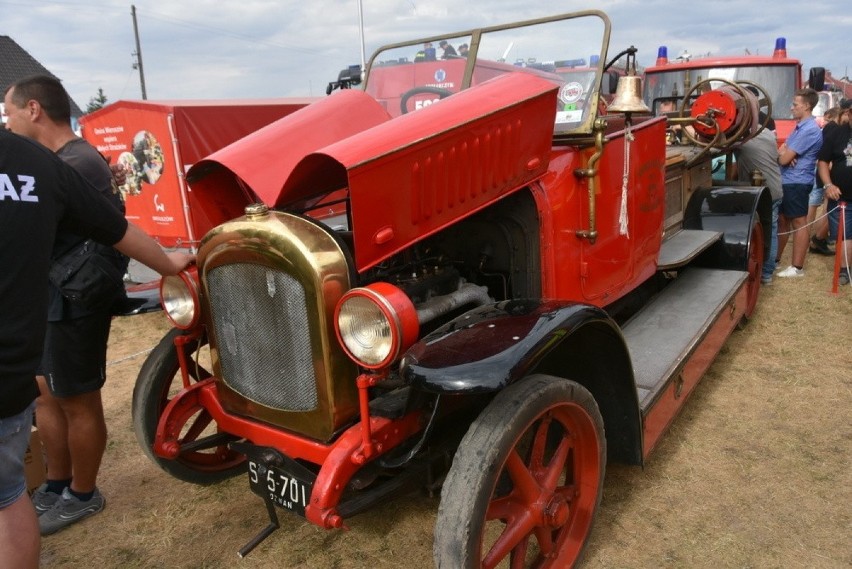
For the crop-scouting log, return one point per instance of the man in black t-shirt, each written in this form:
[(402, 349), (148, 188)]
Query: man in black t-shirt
[(449, 51), (69, 410), (38, 195), (834, 168)]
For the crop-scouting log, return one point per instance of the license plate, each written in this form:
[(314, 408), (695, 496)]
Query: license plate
[(280, 487)]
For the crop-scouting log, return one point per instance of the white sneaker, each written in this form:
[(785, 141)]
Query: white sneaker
[(791, 271)]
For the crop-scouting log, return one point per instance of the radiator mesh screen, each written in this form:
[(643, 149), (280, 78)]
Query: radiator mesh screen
[(262, 329)]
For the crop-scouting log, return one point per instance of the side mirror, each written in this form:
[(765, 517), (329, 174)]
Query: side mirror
[(816, 79), (345, 79), (351, 76), (611, 82)]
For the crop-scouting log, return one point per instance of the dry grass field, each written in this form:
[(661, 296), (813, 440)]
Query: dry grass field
[(756, 472)]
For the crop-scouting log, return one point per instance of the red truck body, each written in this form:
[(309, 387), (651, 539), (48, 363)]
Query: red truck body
[(502, 286)]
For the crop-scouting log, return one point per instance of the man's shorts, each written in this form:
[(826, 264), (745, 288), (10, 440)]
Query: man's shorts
[(834, 220), (795, 201), (816, 197), (14, 438), (74, 359)]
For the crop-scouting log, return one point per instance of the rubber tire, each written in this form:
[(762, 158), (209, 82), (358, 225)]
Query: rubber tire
[(754, 266), (482, 454), (150, 396)]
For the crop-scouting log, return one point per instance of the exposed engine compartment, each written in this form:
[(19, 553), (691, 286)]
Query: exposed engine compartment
[(493, 255)]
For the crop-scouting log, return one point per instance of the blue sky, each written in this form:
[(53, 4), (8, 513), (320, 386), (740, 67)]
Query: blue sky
[(203, 49)]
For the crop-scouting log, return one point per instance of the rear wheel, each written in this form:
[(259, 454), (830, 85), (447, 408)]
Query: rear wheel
[(754, 266), (206, 457), (526, 480)]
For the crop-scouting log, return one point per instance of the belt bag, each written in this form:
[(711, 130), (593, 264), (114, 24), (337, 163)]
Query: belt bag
[(90, 275)]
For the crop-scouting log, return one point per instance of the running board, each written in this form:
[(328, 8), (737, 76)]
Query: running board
[(682, 247), (675, 338)]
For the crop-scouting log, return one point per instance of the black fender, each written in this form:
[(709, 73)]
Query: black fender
[(495, 345), (731, 210)]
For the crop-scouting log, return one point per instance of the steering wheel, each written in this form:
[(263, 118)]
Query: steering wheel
[(403, 101)]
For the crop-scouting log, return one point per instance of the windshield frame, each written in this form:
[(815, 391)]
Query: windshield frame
[(583, 127)]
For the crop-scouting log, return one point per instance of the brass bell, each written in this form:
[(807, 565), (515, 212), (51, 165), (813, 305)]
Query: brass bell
[(628, 96)]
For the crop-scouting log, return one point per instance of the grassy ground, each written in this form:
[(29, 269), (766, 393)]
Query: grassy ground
[(755, 473)]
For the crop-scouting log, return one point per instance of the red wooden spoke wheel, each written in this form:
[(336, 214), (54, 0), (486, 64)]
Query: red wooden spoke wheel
[(207, 458), (754, 266), (526, 480)]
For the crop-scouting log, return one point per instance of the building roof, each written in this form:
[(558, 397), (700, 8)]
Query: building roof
[(16, 63), (843, 84)]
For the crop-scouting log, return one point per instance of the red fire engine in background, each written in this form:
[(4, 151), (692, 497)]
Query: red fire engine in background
[(464, 275), (778, 75)]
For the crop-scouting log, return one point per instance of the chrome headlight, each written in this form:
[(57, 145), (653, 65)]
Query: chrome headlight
[(375, 323), (179, 297)]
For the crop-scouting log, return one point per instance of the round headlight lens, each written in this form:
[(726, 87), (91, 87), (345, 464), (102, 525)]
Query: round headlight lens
[(365, 331), (180, 301), (376, 323)]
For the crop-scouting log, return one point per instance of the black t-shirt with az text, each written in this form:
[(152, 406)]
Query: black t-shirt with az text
[(39, 195)]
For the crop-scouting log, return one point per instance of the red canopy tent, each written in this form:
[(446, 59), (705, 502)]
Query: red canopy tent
[(157, 142)]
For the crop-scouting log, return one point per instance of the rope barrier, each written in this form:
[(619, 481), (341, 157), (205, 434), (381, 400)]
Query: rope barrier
[(805, 226), (130, 357)]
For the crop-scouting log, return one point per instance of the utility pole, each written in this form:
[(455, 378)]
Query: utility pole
[(361, 33), (137, 64)]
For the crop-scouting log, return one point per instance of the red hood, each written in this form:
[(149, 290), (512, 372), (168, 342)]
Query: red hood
[(407, 177), (261, 162)]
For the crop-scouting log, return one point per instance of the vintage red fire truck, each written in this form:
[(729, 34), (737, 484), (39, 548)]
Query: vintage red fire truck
[(462, 276)]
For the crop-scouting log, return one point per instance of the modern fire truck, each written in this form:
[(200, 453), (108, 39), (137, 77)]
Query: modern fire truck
[(462, 276), (778, 75)]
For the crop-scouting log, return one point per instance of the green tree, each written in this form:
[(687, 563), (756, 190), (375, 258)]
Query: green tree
[(96, 102)]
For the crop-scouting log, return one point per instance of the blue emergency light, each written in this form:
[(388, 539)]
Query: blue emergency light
[(780, 48), (570, 62)]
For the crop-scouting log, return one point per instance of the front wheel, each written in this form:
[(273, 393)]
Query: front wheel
[(526, 480), (206, 457)]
